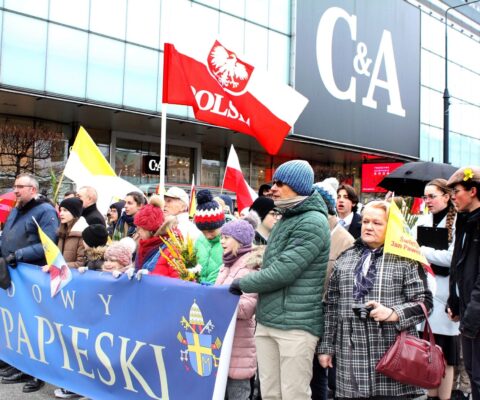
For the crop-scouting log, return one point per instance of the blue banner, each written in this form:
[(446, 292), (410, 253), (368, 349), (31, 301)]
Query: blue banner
[(107, 338)]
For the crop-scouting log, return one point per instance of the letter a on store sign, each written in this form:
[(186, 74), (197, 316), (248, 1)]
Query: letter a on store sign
[(225, 91)]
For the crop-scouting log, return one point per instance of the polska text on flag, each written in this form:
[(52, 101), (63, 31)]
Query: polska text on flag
[(225, 91)]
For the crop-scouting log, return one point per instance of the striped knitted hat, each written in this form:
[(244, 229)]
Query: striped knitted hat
[(208, 215)]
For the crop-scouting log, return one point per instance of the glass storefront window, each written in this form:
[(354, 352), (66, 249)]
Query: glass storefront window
[(23, 52), (130, 159), (104, 20), (257, 11), (211, 166), (140, 83), (143, 22), (256, 45), (66, 67), (38, 8), (279, 15), (179, 166), (279, 56), (232, 32), (235, 7), (105, 70), (261, 170), (70, 12)]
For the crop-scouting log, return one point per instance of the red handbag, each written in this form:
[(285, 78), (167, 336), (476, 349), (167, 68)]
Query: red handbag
[(414, 361)]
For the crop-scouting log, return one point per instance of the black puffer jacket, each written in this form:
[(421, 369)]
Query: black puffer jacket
[(465, 274)]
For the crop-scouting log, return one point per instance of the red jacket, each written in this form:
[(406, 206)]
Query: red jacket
[(163, 267)]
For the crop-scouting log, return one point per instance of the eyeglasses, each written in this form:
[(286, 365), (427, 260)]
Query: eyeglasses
[(278, 183), (20, 186), (275, 214), (455, 191), (430, 196)]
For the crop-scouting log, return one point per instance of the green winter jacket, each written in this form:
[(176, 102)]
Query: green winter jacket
[(291, 280), (210, 257)]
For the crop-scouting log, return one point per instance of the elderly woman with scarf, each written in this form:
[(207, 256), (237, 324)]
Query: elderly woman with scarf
[(359, 339)]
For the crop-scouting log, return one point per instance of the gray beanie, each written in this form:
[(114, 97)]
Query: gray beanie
[(297, 174)]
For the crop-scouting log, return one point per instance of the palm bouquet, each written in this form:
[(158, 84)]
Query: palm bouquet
[(182, 256), (406, 206)]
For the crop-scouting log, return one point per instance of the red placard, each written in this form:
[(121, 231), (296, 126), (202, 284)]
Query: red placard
[(372, 174)]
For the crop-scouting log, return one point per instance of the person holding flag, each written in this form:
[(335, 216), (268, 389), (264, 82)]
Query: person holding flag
[(362, 320), (20, 242), (438, 251), (464, 293)]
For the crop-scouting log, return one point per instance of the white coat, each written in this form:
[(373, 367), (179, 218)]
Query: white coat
[(439, 320)]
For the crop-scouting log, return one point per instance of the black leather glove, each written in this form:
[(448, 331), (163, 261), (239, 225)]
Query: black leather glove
[(235, 287), (11, 260)]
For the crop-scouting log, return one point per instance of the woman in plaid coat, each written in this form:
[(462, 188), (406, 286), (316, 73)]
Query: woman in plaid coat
[(359, 341)]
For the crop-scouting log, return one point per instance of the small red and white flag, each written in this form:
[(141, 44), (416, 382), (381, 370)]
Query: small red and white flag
[(225, 91), (233, 180), (7, 202)]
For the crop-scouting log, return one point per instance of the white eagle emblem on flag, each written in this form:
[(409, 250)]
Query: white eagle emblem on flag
[(229, 71)]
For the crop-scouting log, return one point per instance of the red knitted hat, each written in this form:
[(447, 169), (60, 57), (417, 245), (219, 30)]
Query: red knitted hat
[(149, 217)]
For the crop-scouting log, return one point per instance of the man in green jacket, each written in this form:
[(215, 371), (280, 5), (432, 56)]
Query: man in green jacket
[(289, 309)]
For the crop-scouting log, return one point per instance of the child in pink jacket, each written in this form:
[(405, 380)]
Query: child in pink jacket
[(239, 259)]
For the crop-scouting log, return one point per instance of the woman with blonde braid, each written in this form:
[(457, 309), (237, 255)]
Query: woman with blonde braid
[(441, 214)]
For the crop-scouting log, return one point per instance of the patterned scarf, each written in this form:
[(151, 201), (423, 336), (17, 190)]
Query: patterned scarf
[(229, 259), (364, 281)]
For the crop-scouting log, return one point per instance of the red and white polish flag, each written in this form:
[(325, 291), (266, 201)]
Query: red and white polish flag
[(225, 91), (233, 180)]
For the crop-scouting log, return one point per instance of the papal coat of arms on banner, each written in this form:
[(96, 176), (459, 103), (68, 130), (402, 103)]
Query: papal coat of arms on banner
[(199, 353), (229, 71)]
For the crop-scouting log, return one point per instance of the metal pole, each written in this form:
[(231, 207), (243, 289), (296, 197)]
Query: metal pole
[(446, 95)]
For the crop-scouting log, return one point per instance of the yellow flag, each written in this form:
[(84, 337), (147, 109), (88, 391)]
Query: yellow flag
[(90, 155), (52, 252), (87, 166), (399, 239), (60, 274)]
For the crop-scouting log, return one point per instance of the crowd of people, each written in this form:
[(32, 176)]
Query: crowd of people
[(320, 300)]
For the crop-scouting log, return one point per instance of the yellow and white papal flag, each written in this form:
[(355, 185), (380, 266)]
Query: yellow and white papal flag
[(87, 166)]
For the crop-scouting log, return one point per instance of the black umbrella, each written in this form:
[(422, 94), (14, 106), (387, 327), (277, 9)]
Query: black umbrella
[(410, 179)]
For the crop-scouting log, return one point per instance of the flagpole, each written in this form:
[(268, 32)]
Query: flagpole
[(55, 196), (225, 172), (163, 135), (381, 278), (163, 126)]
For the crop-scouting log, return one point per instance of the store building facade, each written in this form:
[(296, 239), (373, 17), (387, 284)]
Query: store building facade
[(372, 70)]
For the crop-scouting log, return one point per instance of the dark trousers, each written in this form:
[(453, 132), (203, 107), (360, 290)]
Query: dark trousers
[(471, 357), (322, 379)]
